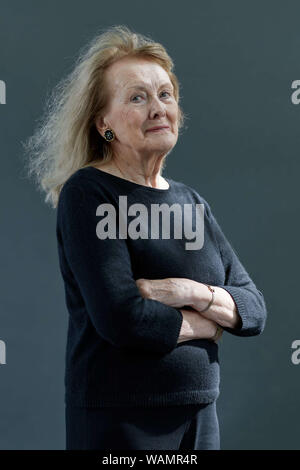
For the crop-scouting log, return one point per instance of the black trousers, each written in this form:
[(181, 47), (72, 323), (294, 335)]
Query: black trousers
[(185, 427)]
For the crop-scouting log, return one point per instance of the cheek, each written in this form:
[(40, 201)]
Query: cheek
[(175, 112), (133, 119)]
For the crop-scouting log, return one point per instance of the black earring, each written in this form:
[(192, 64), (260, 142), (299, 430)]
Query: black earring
[(109, 135)]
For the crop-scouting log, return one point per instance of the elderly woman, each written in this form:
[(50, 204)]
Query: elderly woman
[(147, 305)]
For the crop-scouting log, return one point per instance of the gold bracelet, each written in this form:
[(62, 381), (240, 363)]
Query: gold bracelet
[(218, 334)]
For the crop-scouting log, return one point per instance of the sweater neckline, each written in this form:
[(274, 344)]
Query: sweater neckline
[(99, 172)]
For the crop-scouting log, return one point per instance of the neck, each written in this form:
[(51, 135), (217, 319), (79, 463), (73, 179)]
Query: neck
[(141, 174)]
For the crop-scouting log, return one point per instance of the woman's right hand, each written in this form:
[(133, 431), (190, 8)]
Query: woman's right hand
[(195, 326)]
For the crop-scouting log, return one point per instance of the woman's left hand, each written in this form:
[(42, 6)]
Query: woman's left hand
[(172, 291)]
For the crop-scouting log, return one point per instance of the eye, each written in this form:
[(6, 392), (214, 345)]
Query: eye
[(136, 96), (140, 96), (166, 92)]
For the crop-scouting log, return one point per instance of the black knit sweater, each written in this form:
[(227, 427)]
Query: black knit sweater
[(121, 347)]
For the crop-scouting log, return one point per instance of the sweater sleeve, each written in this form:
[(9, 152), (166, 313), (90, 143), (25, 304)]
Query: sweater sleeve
[(249, 300), (102, 270)]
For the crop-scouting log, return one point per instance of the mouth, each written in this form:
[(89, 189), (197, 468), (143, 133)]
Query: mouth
[(157, 129)]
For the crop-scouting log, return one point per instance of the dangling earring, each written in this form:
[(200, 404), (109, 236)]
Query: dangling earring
[(109, 135)]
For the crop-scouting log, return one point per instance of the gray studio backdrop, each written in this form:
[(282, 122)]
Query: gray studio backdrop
[(236, 62)]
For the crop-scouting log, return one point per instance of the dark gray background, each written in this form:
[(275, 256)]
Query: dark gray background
[(235, 61)]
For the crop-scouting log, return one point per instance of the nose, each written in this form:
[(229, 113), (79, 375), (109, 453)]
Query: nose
[(157, 108)]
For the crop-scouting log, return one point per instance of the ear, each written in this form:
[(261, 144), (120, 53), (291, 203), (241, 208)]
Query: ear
[(100, 125)]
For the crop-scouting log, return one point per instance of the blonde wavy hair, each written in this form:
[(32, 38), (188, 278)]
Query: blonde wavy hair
[(67, 138)]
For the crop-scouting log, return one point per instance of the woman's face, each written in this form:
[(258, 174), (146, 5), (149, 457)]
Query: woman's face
[(141, 96)]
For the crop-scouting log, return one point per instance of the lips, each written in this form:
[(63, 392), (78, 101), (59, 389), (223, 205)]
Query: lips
[(158, 128)]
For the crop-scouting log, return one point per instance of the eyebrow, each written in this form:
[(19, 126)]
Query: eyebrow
[(143, 87)]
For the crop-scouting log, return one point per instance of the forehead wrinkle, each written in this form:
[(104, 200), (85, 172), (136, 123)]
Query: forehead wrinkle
[(132, 80)]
